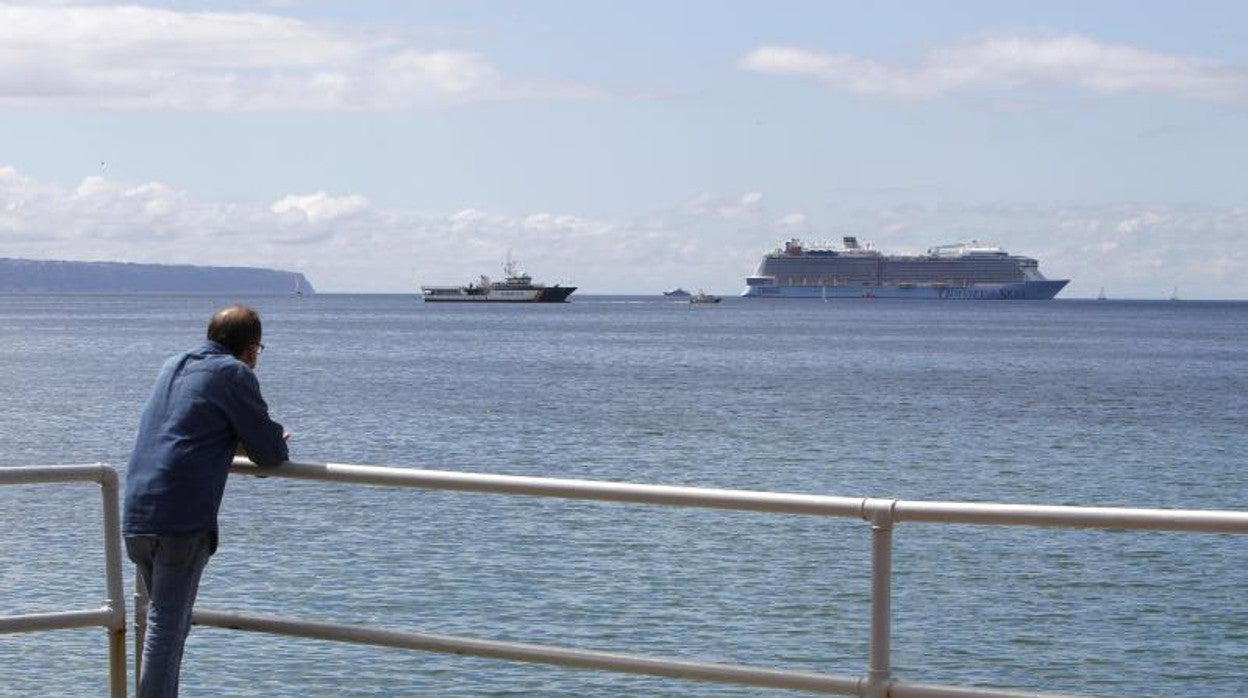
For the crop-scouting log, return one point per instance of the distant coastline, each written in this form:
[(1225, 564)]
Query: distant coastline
[(55, 276)]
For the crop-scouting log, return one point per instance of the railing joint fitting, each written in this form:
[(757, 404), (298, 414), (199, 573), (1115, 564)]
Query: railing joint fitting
[(880, 512), (874, 686)]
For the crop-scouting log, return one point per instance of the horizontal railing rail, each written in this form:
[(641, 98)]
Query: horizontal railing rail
[(1208, 521), (113, 615), (882, 514)]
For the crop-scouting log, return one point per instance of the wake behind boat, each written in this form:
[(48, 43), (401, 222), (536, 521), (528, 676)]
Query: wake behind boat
[(516, 287)]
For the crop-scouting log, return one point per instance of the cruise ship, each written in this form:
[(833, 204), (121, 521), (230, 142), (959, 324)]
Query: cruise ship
[(516, 287), (962, 271)]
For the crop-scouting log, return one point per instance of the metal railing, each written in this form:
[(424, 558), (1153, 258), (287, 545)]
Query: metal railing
[(882, 514), (113, 615)]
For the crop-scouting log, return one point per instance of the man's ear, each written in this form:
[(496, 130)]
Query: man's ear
[(250, 356)]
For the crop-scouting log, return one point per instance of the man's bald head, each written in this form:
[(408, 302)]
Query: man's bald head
[(236, 327)]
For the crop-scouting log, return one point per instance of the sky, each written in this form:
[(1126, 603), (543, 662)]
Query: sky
[(628, 147)]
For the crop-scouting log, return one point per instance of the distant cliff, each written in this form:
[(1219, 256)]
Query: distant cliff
[(46, 276)]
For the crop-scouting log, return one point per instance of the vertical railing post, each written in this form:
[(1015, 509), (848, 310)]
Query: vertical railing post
[(112, 573), (140, 629), (879, 675)]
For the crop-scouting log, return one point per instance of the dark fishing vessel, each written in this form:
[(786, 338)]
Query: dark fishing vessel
[(516, 287)]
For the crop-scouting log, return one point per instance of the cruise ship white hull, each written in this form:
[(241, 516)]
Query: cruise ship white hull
[(964, 271), (1023, 290)]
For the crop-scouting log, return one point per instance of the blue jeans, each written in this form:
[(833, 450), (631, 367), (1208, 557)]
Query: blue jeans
[(169, 568)]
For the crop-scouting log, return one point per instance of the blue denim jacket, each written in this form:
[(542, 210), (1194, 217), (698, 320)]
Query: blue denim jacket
[(206, 402)]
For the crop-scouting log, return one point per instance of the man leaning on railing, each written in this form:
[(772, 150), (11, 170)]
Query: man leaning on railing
[(206, 405)]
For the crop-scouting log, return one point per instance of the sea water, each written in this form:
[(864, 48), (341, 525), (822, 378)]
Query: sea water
[(1113, 403)]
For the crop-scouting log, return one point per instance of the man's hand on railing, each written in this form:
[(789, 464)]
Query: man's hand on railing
[(240, 450)]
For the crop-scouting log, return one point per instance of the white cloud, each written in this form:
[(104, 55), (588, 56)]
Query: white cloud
[(561, 224), (319, 207), (451, 72), (793, 222), (131, 57), (1139, 222), (345, 244), (727, 206), (1013, 62)]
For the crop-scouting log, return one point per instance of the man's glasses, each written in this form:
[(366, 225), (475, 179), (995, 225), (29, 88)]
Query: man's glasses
[(259, 348)]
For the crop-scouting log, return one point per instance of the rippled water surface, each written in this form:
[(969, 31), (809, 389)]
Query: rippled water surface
[(1063, 402)]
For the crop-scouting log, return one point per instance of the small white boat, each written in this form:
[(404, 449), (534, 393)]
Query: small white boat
[(704, 297)]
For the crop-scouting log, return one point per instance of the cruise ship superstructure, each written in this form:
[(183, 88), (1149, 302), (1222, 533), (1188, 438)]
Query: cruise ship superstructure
[(961, 271)]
